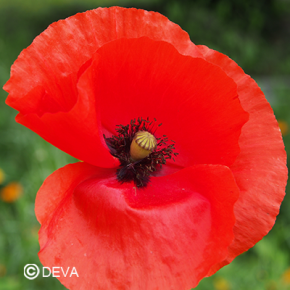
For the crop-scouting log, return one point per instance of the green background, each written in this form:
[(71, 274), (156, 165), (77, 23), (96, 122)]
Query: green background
[(256, 34)]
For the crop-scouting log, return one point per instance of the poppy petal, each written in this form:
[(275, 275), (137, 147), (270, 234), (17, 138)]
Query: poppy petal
[(78, 131), (43, 79), (91, 222), (198, 108), (260, 168)]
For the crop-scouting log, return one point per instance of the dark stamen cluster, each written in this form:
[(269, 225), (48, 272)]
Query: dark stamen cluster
[(138, 171)]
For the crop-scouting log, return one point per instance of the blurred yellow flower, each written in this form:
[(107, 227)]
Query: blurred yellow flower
[(283, 127), (11, 192), (2, 270), (272, 285), (286, 276), (221, 284), (2, 176)]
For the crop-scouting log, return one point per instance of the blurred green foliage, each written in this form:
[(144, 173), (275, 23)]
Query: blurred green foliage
[(253, 33), (256, 34)]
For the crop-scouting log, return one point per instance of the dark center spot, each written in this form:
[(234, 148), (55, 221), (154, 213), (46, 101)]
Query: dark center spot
[(138, 166)]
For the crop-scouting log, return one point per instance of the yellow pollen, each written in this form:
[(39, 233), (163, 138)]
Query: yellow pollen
[(142, 145)]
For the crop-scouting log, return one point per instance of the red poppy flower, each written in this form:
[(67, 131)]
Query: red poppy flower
[(126, 222)]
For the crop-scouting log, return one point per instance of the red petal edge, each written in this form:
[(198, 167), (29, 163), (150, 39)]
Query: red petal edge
[(260, 168), (119, 240)]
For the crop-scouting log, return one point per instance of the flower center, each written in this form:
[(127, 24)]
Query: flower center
[(142, 145), (139, 151)]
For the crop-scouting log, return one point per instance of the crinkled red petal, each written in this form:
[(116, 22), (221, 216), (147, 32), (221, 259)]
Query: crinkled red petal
[(120, 237), (194, 100), (78, 131), (43, 79), (260, 168)]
